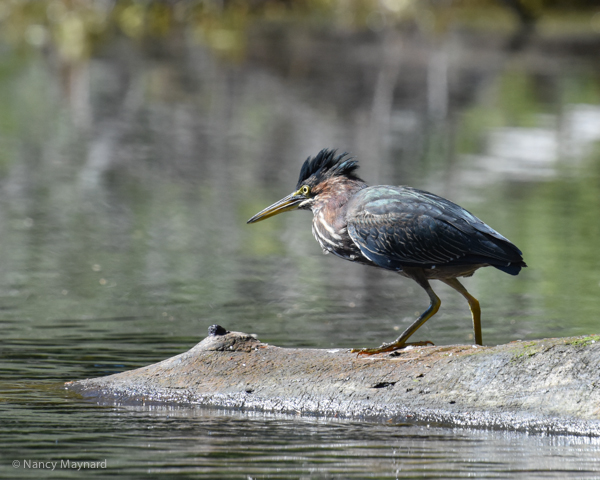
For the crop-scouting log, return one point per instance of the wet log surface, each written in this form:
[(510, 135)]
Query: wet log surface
[(550, 385)]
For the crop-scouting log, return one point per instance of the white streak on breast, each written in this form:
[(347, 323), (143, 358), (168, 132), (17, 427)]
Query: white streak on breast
[(328, 227), (323, 239)]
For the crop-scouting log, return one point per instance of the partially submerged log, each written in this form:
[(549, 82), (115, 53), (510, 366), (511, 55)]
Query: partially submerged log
[(550, 385)]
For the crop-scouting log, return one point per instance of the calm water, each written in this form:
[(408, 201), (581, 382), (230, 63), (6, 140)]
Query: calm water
[(126, 179)]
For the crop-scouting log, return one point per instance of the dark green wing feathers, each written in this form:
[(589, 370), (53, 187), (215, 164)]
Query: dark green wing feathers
[(397, 227)]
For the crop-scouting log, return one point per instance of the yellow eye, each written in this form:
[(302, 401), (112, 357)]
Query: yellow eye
[(305, 190)]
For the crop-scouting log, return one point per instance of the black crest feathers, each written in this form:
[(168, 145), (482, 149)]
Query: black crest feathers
[(326, 165)]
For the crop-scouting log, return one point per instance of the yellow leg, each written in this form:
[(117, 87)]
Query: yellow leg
[(473, 305), (418, 276)]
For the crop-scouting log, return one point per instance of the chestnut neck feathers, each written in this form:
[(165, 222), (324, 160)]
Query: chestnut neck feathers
[(332, 195), (333, 182)]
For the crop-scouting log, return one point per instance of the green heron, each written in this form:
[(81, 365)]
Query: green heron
[(418, 234)]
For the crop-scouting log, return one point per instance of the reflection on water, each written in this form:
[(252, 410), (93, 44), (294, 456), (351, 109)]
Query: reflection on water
[(212, 444), (549, 151), (126, 181)]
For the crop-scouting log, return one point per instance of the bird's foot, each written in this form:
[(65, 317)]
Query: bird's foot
[(389, 347)]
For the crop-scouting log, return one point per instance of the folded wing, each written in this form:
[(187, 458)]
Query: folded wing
[(398, 227)]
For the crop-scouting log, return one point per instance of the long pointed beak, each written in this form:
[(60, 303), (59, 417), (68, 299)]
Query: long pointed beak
[(286, 204)]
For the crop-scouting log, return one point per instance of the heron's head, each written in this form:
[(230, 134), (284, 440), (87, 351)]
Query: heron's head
[(321, 176)]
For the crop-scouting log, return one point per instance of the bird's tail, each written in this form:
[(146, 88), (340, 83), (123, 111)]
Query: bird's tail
[(511, 269)]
